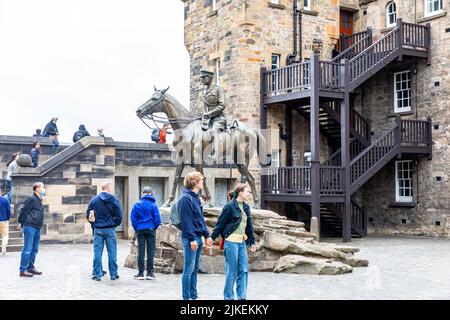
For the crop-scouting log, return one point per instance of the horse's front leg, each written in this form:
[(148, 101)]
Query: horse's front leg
[(178, 172), (207, 204)]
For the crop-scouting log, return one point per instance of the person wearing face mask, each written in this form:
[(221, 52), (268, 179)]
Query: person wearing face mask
[(30, 219)]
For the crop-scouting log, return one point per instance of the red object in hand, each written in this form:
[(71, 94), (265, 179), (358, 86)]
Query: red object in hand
[(222, 242), (162, 136)]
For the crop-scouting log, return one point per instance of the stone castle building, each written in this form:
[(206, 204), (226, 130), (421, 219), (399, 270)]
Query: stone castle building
[(364, 142)]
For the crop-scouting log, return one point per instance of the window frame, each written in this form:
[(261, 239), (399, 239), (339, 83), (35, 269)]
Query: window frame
[(275, 80), (432, 13), (389, 14), (398, 197), (275, 1), (217, 66), (308, 7), (214, 5), (398, 109)]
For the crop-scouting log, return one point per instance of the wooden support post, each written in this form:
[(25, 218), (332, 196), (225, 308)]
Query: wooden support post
[(263, 126), (288, 118), (430, 138), (345, 154), (315, 139)]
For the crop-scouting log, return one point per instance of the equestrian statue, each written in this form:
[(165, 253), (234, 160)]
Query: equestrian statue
[(206, 138)]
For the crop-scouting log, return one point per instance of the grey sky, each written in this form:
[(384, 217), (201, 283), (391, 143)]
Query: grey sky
[(90, 62)]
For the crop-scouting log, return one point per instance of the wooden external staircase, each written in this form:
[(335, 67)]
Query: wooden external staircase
[(317, 89)]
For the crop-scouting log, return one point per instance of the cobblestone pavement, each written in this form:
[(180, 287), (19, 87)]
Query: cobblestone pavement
[(400, 268)]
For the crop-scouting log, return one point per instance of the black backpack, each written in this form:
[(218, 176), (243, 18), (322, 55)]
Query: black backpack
[(155, 135)]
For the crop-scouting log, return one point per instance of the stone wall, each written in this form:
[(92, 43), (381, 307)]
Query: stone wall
[(430, 86), (75, 175), (244, 35)]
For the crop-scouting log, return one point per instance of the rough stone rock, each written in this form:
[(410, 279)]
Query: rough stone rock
[(212, 264), (266, 214), (344, 249), (169, 235), (355, 262), (288, 223), (289, 245), (262, 266), (307, 265)]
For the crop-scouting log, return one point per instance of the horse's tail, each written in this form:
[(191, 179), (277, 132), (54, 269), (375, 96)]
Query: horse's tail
[(261, 149)]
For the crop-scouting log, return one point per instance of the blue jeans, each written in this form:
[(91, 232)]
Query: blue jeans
[(30, 248), (190, 268), (102, 236), (9, 186), (236, 270), (55, 144)]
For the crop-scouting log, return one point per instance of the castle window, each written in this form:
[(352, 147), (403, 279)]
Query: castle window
[(403, 181), (433, 7), (275, 1), (307, 5), (217, 72), (275, 65), (402, 91), (214, 5), (391, 14)]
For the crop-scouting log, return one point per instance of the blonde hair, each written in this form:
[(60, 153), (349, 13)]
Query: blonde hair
[(191, 179)]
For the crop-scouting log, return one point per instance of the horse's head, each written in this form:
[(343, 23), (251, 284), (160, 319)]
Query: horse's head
[(153, 105)]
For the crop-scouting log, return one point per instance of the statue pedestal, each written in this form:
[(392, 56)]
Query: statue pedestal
[(282, 246)]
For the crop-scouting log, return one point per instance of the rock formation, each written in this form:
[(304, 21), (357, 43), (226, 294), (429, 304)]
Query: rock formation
[(282, 246)]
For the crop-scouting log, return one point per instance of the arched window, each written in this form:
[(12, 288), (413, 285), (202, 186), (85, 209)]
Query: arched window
[(391, 14)]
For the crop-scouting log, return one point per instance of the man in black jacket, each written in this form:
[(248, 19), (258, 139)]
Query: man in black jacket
[(30, 220), (51, 131)]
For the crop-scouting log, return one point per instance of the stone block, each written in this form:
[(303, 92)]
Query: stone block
[(60, 190), (69, 175), (71, 228), (72, 200), (85, 167), (52, 200), (100, 159), (108, 151), (86, 190)]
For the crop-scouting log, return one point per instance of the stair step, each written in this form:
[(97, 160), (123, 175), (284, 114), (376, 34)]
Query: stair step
[(13, 241), (14, 248)]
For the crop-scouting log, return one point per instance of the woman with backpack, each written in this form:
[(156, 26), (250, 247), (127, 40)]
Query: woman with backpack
[(193, 227), (236, 229), (12, 166)]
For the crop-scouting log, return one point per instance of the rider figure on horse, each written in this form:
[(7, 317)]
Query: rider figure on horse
[(213, 120)]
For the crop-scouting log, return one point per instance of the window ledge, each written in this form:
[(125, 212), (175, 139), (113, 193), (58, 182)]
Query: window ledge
[(310, 12), (402, 204), (277, 6), (406, 113), (212, 14), (432, 17), (387, 29)]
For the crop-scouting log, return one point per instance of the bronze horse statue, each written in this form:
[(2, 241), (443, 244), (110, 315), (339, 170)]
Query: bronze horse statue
[(238, 145)]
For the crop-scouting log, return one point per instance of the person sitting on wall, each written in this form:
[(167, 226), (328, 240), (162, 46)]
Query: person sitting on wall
[(38, 134), (80, 134)]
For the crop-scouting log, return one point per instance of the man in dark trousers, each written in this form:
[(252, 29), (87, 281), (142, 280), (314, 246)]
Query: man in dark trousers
[(35, 151), (30, 219), (105, 213), (51, 131), (145, 219)]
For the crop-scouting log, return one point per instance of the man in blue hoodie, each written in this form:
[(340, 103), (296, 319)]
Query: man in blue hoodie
[(145, 219), (105, 213), (5, 215)]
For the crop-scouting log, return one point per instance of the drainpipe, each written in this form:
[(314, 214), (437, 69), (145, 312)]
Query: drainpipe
[(290, 59)]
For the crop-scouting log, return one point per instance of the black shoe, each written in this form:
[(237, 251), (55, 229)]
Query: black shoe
[(115, 277), (104, 272), (25, 274), (139, 276), (34, 271), (150, 276), (96, 278)]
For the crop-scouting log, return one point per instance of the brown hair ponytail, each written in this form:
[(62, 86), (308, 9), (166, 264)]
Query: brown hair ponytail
[(232, 194)]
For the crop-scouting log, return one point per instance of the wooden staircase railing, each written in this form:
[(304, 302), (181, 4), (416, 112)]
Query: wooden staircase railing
[(358, 216), (387, 48), (363, 40), (346, 41)]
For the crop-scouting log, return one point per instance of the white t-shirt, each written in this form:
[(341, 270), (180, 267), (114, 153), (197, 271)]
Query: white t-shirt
[(11, 168)]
